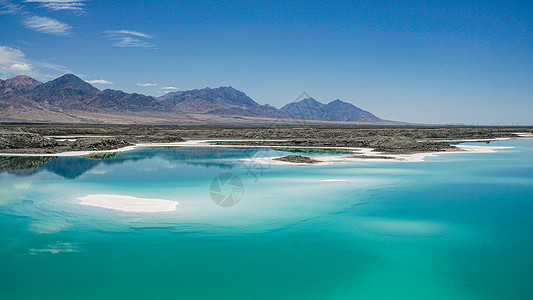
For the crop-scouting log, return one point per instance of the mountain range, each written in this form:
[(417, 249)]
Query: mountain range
[(69, 99)]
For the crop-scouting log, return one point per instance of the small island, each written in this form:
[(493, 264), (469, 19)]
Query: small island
[(298, 159)]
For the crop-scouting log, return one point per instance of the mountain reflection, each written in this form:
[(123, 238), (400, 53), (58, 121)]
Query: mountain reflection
[(73, 167)]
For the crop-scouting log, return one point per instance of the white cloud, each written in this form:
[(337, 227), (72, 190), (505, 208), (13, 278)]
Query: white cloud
[(14, 62), (21, 67), (46, 25), (146, 84), (170, 88), (100, 81), (129, 38), (73, 5)]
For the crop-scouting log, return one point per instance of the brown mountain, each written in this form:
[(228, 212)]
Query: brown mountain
[(337, 110), (308, 109), (4, 87), (22, 83), (18, 84), (62, 91), (113, 100), (72, 100), (218, 101)]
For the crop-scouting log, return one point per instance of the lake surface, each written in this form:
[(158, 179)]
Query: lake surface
[(457, 226)]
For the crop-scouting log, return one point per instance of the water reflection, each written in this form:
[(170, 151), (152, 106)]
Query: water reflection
[(73, 167)]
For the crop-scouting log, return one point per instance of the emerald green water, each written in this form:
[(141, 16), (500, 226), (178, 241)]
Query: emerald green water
[(457, 226)]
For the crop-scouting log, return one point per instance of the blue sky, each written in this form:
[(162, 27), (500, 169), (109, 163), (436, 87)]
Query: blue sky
[(420, 61)]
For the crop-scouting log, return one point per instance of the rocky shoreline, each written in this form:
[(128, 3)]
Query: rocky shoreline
[(297, 159), (393, 140)]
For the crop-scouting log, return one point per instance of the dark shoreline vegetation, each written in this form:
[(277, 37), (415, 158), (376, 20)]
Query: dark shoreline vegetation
[(298, 159), (397, 140), (38, 139)]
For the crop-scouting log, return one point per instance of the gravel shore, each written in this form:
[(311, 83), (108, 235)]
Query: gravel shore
[(395, 140)]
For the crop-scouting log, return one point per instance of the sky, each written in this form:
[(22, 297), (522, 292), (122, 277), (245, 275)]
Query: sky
[(452, 62)]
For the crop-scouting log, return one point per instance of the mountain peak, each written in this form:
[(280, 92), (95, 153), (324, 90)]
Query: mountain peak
[(307, 108), (22, 82), (224, 95), (68, 78), (72, 81), (338, 101), (220, 89), (312, 101), (338, 110), (66, 88)]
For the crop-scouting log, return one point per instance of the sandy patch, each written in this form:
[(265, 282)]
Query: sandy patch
[(524, 134), (333, 180), (128, 203)]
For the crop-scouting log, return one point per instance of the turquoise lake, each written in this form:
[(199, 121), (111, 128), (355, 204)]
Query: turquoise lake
[(456, 226)]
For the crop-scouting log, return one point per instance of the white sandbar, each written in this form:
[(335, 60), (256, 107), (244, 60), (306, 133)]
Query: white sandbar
[(128, 203), (333, 180), (524, 134)]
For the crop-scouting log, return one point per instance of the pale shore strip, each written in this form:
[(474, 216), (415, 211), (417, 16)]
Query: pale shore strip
[(326, 159), (415, 157), (76, 136), (475, 140), (73, 153), (333, 180), (524, 134), (128, 203), (191, 143)]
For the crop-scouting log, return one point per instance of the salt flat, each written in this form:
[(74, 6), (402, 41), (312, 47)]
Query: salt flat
[(128, 203)]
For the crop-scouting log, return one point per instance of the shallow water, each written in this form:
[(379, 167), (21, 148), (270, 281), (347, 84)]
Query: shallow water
[(457, 226)]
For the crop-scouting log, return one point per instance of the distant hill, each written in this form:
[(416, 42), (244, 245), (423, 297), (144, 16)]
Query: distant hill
[(22, 83), (18, 84), (112, 100), (218, 101), (62, 91), (70, 99), (336, 110), (307, 108)]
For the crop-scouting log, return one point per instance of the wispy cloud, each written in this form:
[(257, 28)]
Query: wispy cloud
[(8, 8), (131, 32), (14, 62), (100, 81), (46, 25), (55, 67), (72, 5), (31, 21), (170, 88), (130, 38), (146, 84)]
